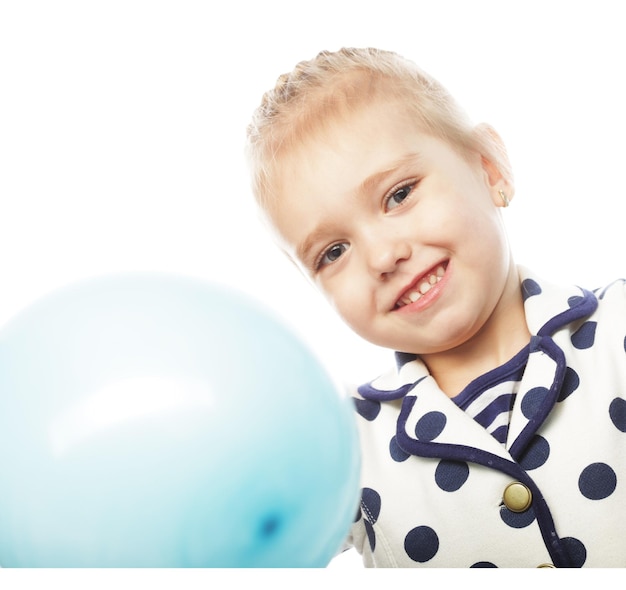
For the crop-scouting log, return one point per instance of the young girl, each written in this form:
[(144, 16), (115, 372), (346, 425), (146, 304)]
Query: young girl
[(499, 438)]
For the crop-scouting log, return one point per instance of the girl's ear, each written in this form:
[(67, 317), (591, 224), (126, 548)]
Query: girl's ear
[(495, 163)]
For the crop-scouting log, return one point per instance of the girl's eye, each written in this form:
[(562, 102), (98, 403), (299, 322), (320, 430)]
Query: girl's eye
[(332, 254), (398, 196)]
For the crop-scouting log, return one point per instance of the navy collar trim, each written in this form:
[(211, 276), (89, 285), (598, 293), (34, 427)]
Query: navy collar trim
[(581, 306), (368, 391), (510, 371)]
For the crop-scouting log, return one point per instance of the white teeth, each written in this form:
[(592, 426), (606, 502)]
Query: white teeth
[(423, 287)]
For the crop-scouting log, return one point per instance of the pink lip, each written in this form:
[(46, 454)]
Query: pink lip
[(430, 296)]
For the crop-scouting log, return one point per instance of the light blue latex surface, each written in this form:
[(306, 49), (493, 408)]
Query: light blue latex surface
[(156, 421)]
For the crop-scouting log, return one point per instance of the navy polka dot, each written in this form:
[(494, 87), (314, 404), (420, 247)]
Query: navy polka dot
[(585, 336), (530, 288), (397, 454), (576, 551), (483, 564), (517, 520), (371, 535), (451, 475), (370, 504), (597, 481), (571, 381), (367, 408), (421, 544), (536, 454), (617, 413), (370, 507), (430, 426), (532, 401), (624, 343)]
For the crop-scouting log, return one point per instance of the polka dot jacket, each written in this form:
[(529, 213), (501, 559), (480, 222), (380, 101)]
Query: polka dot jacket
[(438, 490)]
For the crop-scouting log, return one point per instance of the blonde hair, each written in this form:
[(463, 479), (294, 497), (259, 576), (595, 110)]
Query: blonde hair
[(335, 83)]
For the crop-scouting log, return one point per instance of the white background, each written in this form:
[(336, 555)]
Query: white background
[(122, 125)]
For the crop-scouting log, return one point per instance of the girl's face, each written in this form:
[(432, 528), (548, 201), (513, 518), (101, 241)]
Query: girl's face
[(400, 231)]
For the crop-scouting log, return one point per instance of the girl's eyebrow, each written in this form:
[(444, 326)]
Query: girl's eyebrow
[(373, 181), (305, 246)]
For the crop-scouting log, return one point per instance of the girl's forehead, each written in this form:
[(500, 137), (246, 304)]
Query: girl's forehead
[(385, 130)]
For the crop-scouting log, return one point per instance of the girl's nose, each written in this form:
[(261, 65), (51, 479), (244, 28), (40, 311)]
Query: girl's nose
[(384, 254)]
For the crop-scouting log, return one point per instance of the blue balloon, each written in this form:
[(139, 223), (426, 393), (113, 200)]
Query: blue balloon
[(160, 421)]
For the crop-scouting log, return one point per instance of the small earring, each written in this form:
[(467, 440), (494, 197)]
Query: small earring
[(504, 198)]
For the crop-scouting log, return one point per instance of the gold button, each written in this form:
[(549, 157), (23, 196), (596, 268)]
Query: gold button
[(517, 497), (549, 565)]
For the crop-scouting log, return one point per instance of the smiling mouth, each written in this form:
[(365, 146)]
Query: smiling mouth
[(422, 286)]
